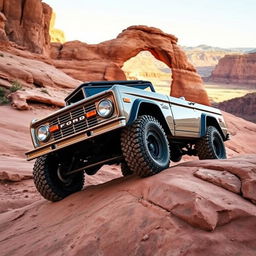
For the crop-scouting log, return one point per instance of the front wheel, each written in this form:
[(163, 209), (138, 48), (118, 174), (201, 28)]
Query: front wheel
[(145, 146), (51, 183), (211, 146), (125, 170)]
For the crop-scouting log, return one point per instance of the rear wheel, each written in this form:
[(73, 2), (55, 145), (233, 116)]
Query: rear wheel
[(211, 146), (51, 182), (145, 146)]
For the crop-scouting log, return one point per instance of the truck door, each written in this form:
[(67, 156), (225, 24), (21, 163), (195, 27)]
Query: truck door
[(186, 118)]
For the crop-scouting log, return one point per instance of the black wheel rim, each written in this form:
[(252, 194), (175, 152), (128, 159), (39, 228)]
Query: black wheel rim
[(154, 145), (58, 176), (218, 146), (157, 146), (66, 180)]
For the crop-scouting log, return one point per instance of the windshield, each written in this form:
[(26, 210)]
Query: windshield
[(92, 90), (89, 91)]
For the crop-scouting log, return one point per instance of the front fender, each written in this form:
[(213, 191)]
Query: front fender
[(136, 107)]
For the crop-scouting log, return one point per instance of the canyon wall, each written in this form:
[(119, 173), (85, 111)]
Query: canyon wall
[(27, 24), (239, 69), (243, 106)]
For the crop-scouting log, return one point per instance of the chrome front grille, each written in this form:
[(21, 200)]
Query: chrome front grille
[(74, 127)]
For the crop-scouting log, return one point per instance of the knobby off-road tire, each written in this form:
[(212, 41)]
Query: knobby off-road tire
[(145, 146), (126, 171), (48, 183), (211, 146)]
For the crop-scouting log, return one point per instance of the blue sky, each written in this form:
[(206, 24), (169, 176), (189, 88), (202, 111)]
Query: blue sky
[(226, 23)]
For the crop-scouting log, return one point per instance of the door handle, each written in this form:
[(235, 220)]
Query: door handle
[(191, 103)]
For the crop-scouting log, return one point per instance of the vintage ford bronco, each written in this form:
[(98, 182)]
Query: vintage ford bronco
[(124, 122)]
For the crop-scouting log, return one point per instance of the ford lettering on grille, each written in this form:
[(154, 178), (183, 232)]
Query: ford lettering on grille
[(74, 121)]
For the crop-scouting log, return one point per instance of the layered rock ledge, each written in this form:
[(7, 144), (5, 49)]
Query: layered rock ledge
[(177, 212)]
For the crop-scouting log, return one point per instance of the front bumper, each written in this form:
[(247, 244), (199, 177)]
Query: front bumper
[(105, 127)]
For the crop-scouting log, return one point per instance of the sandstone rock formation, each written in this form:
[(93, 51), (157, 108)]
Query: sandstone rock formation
[(104, 61), (244, 107), (171, 212), (29, 30), (38, 81), (236, 69), (20, 99), (27, 24), (168, 214), (223, 179), (3, 37), (56, 35), (242, 136)]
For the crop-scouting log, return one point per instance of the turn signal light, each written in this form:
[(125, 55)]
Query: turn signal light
[(92, 113), (54, 128), (127, 100)]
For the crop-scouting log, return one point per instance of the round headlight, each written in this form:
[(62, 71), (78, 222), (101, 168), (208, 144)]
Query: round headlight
[(105, 108), (43, 133)]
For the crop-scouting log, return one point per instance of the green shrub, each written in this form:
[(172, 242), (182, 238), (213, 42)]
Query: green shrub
[(3, 97), (16, 85), (2, 92)]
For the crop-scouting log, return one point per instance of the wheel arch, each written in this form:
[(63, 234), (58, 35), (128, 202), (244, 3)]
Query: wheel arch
[(208, 120), (145, 107)]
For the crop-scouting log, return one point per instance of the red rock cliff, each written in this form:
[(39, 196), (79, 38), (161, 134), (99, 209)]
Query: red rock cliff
[(236, 69), (242, 106), (27, 23)]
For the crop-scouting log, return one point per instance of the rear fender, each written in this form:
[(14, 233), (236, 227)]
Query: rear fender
[(208, 120)]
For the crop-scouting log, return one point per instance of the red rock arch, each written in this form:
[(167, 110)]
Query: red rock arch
[(146, 67), (104, 61)]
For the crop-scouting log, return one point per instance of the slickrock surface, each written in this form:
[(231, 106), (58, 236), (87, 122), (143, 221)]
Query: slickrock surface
[(193, 208), (172, 213)]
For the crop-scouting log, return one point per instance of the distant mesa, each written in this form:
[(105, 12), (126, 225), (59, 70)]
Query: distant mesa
[(208, 48), (239, 69), (205, 57)]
